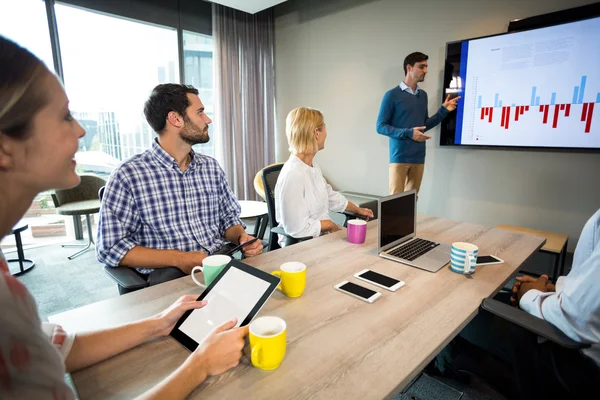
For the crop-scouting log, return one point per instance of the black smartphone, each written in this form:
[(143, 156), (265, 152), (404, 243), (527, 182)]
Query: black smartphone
[(239, 246), (488, 260)]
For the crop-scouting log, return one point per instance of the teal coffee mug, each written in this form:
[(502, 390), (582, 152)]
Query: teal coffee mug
[(211, 268), (463, 257)]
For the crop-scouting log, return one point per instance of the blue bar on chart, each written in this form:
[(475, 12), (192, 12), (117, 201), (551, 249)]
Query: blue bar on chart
[(553, 99), (582, 89), (598, 98), (533, 90), (479, 102), (496, 100), (575, 95), (537, 101), (513, 105), (500, 103)]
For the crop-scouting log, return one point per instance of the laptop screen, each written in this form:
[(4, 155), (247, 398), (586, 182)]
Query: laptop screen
[(397, 218)]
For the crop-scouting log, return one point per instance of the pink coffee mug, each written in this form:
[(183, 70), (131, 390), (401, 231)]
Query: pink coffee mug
[(357, 231)]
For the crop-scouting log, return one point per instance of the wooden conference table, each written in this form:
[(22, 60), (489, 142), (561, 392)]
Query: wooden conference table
[(338, 347)]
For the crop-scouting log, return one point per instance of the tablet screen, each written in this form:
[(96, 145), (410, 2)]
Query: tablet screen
[(234, 295)]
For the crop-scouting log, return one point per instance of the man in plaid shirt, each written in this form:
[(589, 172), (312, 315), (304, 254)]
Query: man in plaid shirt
[(166, 209)]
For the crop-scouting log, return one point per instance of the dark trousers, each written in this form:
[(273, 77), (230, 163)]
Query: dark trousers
[(516, 362)]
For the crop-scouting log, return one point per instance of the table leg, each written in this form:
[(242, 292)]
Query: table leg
[(21, 256), (563, 256), (78, 227)]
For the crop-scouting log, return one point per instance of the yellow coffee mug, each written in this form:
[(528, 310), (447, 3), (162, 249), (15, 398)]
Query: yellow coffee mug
[(293, 278), (267, 342)]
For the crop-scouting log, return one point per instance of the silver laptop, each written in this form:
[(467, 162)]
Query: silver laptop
[(397, 234)]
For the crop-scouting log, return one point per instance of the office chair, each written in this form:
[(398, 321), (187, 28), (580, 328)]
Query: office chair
[(537, 329), (78, 201), (258, 182)]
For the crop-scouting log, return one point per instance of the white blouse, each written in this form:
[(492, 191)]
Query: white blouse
[(303, 198)]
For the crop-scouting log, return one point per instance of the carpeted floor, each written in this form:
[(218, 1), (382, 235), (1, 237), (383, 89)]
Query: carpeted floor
[(59, 284)]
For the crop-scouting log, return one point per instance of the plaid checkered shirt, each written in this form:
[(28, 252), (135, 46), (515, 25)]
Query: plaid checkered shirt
[(150, 202)]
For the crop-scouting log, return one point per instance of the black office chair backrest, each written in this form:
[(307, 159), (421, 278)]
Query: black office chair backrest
[(269, 177), (101, 193)]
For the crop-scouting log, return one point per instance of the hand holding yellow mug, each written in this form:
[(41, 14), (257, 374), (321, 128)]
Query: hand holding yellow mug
[(293, 278), (267, 342)]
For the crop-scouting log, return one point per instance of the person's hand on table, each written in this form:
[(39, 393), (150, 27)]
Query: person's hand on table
[(526, 283), (366, 212), (253, 249)]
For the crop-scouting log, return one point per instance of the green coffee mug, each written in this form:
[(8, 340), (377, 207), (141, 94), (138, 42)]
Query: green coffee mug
[(211, 268)]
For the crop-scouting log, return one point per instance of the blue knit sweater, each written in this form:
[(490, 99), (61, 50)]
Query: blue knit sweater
[(400, 112)]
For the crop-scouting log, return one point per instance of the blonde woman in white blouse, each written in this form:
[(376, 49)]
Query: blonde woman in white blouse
[(303, 198)]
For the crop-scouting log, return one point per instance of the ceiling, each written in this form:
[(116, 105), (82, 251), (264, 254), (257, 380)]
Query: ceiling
[(249, 6)]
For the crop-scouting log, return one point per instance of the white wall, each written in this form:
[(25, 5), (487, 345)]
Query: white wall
[(342, 56)]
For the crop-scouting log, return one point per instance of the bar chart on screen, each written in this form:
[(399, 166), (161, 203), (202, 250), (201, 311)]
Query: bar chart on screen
[(550, 112), (537, 89)]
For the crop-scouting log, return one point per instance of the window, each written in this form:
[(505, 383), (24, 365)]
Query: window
[(31, 32), (198, 64), (25, 23), (110, 66)]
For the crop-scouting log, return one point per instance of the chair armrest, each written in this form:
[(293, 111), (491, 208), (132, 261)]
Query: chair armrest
[(126, 277), (349, 215), (279, 230), (531, 323)]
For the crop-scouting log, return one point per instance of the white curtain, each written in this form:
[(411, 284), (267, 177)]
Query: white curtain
[(245, 95)]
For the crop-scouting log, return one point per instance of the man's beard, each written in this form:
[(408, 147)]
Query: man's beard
[(192, 134)]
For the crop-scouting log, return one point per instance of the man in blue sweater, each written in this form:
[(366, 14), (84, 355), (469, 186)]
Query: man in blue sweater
[(404, 118)]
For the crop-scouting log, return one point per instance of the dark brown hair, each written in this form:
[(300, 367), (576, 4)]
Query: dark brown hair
[(414, 58), (22, 92), (164, 99)]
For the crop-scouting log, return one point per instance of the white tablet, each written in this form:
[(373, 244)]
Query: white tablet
[(238, 291)]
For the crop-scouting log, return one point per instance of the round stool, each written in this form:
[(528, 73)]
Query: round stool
[(17, 229)]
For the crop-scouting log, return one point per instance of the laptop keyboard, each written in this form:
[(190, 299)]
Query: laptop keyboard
[(413, 250)]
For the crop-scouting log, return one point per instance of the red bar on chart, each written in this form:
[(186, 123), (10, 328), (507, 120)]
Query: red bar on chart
[(546, 109), (507, 117), (503, 116), (562, 107), (482, 113), (556, 110), (491, 112), (588, 123), (517, 113), (567, 110), (584, 112), (526, 108)]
